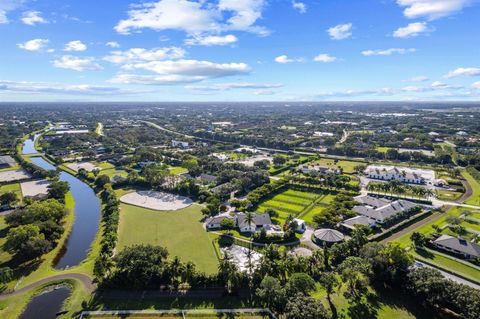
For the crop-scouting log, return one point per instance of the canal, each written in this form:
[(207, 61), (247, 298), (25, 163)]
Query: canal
[(87, 218), (46, 305)]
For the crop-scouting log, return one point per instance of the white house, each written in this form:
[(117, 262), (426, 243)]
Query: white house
[(181, 144), (394, 173), (301, 226)]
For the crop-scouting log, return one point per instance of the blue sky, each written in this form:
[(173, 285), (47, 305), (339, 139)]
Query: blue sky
[(231, 50)]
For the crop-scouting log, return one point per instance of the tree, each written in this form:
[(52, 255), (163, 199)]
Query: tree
[(330, 283), (101, 180), (6, 274), (58, 190), (300, 283), (9, 199), (355, 272), (26, 241), (227, 223), (418, 239), (272, 294), (140, 266), (279, 160), (303, 307)]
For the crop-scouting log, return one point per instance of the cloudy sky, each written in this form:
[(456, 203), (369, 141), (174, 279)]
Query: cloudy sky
[(229, 50)]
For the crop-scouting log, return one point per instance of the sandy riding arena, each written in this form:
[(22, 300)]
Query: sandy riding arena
[(156, 200), (85, 165), (10, 176)]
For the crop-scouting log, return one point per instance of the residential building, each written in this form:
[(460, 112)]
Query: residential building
[(180, 144), (457, 246), (394, 173), (381, 209)]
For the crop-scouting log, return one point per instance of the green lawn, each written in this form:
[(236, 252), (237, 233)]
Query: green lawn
[(14, 187), (319, 206), (381, 305), (440, 259), (180, 231), (475, 197), (448, 195), (288, 202), (177, 170), (4, 256), (347, 166)]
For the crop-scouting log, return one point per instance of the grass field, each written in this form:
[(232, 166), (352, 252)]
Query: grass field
[(347, 166), (14, 187), (181, 232), (438, 258), (381, 305), (177, 170), (474, 199), (296, 203), (4, 256)]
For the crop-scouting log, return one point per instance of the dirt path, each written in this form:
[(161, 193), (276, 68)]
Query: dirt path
[(84, 279)]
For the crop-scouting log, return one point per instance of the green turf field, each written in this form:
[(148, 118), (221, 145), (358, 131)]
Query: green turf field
[(181, 232), (347, 166), (299, 204)]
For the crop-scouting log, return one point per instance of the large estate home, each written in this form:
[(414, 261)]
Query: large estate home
[(394, 173), (258, 222), (459, 246), (375, 210)]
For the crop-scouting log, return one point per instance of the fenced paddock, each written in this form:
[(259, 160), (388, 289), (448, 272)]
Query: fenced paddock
[(185, 314)]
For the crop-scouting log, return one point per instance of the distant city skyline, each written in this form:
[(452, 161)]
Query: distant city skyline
[(231, 50)]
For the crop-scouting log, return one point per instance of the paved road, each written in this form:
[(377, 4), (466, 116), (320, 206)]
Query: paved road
[(448, 275), (84, 279)]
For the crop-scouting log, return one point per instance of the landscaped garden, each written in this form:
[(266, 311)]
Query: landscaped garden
[(179, 231)]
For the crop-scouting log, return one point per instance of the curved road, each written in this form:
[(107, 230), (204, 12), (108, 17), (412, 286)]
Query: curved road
[(84, 279)]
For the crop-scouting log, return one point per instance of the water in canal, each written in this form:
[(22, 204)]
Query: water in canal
[(29, 145), (87, 218), (46, 305)]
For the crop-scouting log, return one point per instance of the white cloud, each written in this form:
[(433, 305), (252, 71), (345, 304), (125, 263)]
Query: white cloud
[(3, 17), (77, 64), (264, 92), (283, 59), (351, 93), (33, 18), (476, 85), (195, 17), (431, 9), (112, 44), (233, 85), (6, 6), (439, 85), (420, 78), (179, 71), (325, 58), (387, 51), (463, 72), (205, 69), (412, 30), (76, 45), (340, 32), (412, 88), (299, 6), (170, 79), (58, 88), (140, 55), (33, 45), (212, 40)]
